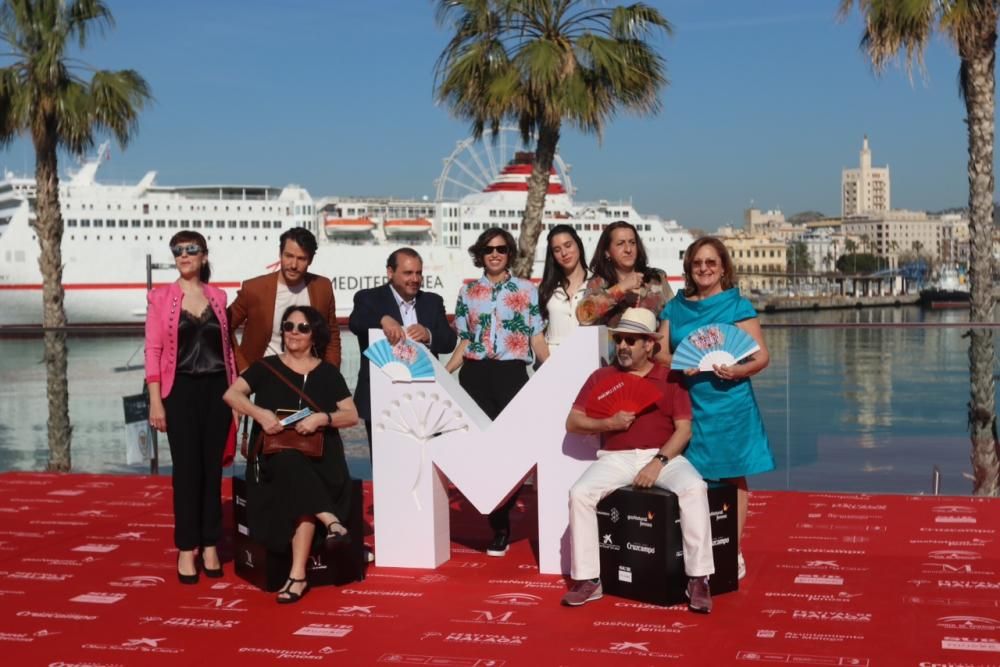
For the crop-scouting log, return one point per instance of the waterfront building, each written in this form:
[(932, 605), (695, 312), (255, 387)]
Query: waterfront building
[(953, 239), (823, 247), (770, 224), (895, 233), (757, 258), (865, 190)]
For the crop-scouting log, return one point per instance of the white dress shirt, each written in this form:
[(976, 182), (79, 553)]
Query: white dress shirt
[(286, 296), (408, 309)]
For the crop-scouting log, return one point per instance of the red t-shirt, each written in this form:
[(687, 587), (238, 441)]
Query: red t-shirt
[(653, 426)]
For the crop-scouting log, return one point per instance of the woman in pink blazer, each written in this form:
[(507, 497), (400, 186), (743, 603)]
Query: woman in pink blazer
[(189, 366)]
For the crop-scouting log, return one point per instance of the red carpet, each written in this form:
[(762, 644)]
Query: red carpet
[(87, 578)]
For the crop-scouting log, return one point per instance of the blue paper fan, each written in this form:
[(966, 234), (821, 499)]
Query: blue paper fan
[(405, 362), (713, 344)]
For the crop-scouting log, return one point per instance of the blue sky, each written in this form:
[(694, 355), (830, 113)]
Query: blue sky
[(768, 101)]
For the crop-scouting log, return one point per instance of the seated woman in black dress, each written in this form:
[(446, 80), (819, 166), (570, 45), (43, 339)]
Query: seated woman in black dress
[(296, 491)]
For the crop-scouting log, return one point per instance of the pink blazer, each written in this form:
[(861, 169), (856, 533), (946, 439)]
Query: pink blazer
[(162, 317)]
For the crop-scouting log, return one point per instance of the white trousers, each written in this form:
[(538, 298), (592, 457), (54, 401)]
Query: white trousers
[(615, 469)]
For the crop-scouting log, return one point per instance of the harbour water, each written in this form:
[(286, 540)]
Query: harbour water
[(854, 400)]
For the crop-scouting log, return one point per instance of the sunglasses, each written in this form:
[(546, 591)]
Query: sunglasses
[(490, 249), (628, 340), (289, 327), (707, 263), (190, 249)]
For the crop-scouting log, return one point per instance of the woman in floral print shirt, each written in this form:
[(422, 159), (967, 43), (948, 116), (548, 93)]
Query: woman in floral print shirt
[(499, 327), (622, 278)]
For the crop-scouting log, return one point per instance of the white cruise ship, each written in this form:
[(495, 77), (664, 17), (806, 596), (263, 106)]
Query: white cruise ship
[(110, 229)]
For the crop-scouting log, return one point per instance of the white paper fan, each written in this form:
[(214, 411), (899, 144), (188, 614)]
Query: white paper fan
[(404, 362), (713, 344)]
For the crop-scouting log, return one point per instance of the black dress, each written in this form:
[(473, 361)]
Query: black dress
[(293, 485)]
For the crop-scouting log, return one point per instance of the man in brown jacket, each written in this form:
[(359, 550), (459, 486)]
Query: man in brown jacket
[(261, 301)]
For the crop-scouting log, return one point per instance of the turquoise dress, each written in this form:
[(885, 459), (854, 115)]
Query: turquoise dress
[(728, 437)]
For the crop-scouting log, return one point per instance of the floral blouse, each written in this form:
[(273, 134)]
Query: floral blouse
[(499, 319), (602, 304)]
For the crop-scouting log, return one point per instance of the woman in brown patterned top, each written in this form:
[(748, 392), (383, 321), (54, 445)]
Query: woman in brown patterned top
[(622, 278)]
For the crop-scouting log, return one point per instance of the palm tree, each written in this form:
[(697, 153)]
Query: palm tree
[(42, 96), (540, 63), (851, 246), (904, 27)]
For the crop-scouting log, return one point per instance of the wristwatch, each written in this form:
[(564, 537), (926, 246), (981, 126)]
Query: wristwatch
[(661, 458)]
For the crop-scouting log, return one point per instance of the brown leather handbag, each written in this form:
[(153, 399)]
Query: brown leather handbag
[(310, 445)]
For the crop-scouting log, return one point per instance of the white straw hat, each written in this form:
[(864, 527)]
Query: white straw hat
[(639, 321)]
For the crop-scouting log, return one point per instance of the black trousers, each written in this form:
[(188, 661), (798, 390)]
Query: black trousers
[(197, 425), (493, 384)]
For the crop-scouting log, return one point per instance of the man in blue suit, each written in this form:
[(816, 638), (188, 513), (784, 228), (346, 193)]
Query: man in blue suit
[(402, 310)]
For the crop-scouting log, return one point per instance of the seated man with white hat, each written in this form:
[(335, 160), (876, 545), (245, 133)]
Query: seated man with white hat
[(642, 449)]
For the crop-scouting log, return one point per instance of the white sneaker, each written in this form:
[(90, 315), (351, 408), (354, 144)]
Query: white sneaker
[(741, 566)]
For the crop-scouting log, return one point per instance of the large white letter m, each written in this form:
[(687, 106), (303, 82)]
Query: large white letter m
[(426, 431)]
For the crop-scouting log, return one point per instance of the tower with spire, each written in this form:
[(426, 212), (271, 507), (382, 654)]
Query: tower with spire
[(865, 190)]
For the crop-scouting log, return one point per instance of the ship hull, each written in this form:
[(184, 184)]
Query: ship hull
[(111, 288), (937, 299), (112, 231), (105, 283)]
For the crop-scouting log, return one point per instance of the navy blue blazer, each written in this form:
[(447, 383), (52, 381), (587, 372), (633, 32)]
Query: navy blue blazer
[(370, 306)]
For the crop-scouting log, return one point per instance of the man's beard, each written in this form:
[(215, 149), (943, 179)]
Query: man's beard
[(625, 360)]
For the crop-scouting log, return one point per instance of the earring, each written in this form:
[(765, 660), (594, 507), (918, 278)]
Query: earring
[(313, 350)]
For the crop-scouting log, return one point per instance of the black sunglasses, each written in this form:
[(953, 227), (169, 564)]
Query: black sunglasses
[(289, 327), (190, 249), (629, 340), (490, 249)]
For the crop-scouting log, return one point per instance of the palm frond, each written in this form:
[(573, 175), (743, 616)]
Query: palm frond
[(896, 30), (74, 117), (638, 21), (118, 98), (82, 16), (542, 64), (9, 90)]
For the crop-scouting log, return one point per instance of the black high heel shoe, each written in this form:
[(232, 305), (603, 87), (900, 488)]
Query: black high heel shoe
[(209, 572), (188, 579), (292, 598)]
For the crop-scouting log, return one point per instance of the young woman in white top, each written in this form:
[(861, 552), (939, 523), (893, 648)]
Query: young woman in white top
[(563, 283)]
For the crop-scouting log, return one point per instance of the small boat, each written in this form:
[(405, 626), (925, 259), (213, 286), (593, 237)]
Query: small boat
[(950, 290), (407, 226), (347, 226)]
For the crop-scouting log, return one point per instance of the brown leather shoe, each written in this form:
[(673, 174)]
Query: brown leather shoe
[(699, 597)]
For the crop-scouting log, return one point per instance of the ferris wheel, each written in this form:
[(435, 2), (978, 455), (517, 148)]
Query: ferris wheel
[(473, 164)]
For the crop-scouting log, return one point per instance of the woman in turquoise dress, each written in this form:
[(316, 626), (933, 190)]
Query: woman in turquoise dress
[(728, 440)]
